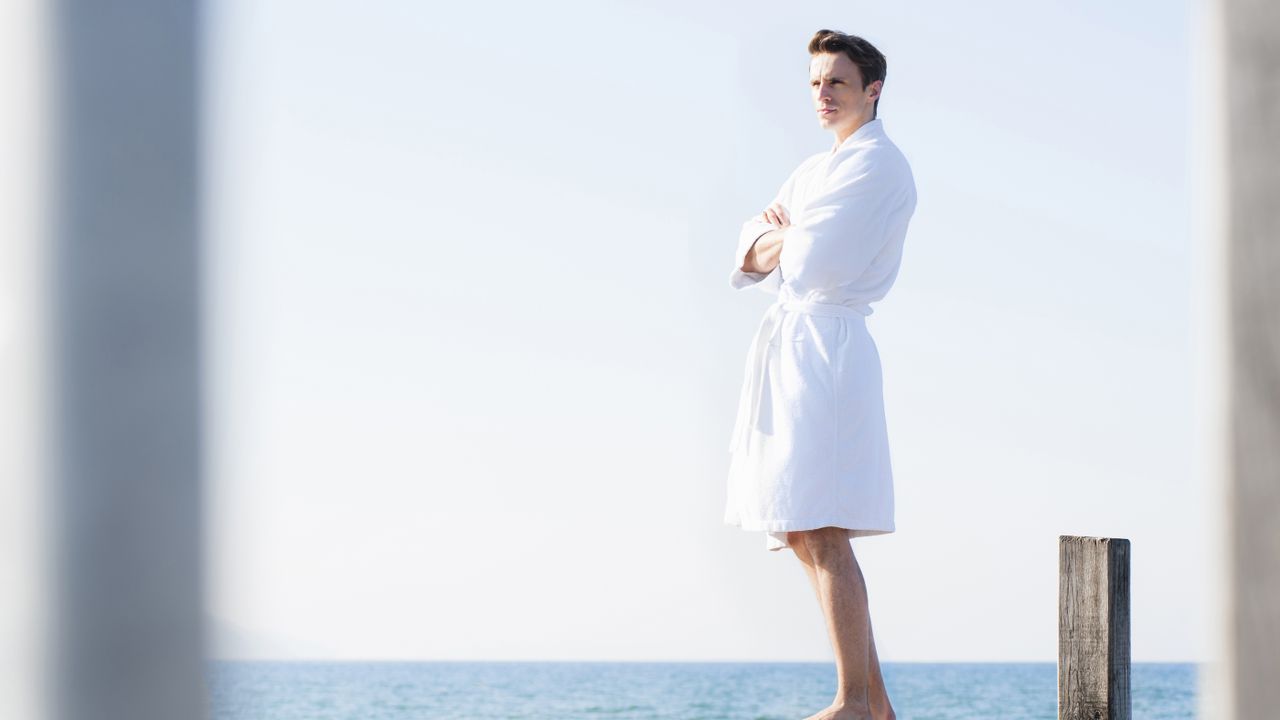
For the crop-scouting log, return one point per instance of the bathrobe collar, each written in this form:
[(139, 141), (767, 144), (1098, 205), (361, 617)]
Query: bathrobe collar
[(871, 127)]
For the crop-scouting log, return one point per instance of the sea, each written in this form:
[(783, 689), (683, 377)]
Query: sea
[(421, 690)]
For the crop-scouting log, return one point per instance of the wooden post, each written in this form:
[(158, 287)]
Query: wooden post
[(1093, 628), (1250, 479)]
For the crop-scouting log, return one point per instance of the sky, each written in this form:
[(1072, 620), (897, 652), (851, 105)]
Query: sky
[(473, 356)]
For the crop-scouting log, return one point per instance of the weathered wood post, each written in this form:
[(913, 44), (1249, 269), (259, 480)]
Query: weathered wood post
[(1093, 628)]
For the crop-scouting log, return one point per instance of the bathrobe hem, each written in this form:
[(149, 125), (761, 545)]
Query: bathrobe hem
[(776, 530)]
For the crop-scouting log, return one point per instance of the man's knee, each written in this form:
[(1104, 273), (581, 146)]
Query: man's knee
[(822, 541)]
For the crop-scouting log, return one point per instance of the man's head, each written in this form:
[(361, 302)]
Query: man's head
[(845, 73)]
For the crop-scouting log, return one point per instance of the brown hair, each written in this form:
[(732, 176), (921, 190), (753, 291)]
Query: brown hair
[(870, 61)]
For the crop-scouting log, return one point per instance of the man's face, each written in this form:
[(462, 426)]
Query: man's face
[(837, 85)]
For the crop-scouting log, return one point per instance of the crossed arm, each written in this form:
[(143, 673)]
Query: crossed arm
[(764, 253), (760, 244)]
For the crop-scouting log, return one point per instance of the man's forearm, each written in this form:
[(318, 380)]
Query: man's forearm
[(764, 253)]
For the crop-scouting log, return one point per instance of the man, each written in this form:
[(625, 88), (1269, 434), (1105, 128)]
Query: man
[(810, 459)]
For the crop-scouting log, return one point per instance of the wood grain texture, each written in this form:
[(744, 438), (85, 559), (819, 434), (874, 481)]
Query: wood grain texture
[(1093, 628)]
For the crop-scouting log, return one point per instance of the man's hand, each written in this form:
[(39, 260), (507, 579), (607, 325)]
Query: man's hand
[(776, 214)]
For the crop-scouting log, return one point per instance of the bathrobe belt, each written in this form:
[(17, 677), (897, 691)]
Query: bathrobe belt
[(760, 355)]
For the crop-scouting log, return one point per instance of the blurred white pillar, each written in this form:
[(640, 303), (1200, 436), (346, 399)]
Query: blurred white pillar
[(23, 532), (1248, 74), (126, 331)]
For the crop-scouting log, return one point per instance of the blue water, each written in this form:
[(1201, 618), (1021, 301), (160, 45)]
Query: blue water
[(632, 691)]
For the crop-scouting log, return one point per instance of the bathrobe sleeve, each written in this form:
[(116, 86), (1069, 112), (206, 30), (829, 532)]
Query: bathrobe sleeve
[(739, 279), (847, 224), (751, 231)]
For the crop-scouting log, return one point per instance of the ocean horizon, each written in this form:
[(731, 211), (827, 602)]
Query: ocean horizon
[(636, 690)]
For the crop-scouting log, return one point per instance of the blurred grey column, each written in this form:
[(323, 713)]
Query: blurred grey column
[(127, 333), (1250, 44)]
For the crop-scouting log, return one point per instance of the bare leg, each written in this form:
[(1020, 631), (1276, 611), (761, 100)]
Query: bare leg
[(838, 583), (881, 708)]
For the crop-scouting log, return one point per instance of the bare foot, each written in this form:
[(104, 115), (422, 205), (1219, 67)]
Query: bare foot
[(840, 712)]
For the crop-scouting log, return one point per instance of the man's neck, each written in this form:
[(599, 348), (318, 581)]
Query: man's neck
[(849, 133)]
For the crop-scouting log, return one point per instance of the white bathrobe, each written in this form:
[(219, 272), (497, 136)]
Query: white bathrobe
[(810, 447)]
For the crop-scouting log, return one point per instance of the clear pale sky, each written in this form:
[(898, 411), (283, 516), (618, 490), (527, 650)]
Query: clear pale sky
[(474, 357)]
